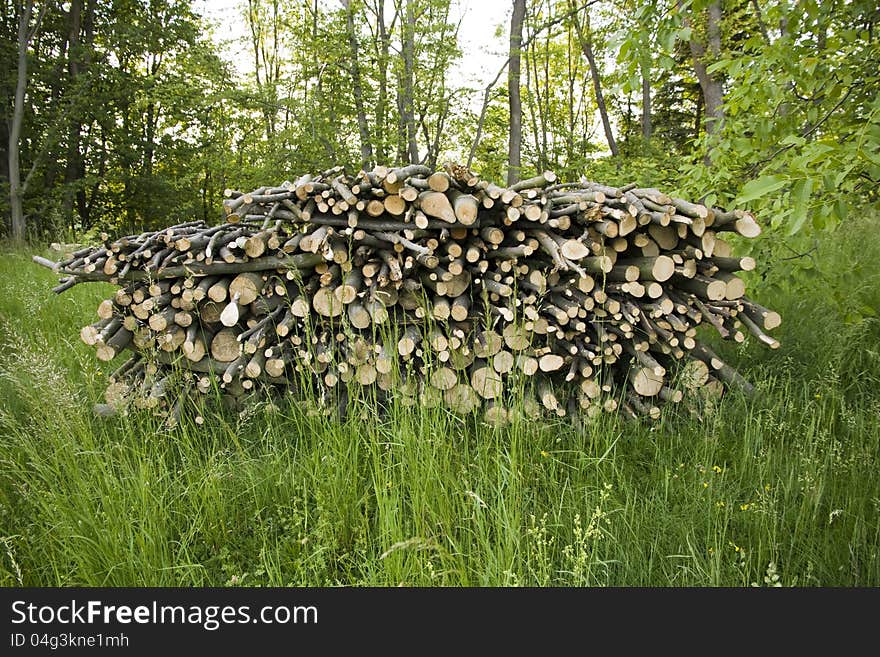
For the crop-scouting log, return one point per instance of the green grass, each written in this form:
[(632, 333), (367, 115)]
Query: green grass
[(780, 488)]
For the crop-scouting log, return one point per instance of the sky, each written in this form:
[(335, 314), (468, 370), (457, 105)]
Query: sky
[(482, 53)]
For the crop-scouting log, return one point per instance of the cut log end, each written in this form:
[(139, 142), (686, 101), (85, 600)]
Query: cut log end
[(646, 382)]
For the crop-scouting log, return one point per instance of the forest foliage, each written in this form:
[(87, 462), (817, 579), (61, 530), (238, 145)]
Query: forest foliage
[(126, 114)]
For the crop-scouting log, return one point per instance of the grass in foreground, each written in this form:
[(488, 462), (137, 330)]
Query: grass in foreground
[(780, 489)]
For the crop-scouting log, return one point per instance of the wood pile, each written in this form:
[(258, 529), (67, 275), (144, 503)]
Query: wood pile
[(436, 287)]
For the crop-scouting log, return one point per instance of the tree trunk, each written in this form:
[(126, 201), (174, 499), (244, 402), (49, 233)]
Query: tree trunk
[(88, 39), (411, 151), (382, 93), (72, 165), (357, 88), (4, 151), (647, 128), (585, 39), (573, 77), (514, 141), (149, 141), (16, 190), (266, 85), (713, 95), (539, 87), (150, 127), (534, 106), (255, 42)]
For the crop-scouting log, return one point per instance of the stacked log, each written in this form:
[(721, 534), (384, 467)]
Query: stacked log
[(436, 287)]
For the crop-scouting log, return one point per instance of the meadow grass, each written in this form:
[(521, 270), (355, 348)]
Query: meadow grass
[(781, 488)]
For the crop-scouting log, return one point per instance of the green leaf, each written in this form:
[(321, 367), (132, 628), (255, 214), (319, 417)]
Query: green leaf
[(761, 187), (818, 151), (800, 196), (822, 217), (720, 65), (841, 209), (793, 140), (871, 156)]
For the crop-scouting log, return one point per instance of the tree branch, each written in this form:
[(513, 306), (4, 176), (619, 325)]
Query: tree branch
[(36, 29)]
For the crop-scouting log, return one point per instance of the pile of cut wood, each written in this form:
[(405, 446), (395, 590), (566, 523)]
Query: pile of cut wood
[(435, 287)]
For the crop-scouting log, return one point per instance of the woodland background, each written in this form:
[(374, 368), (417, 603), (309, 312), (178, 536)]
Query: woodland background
[(126, 113)]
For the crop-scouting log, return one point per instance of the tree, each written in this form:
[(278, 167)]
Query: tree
[(408, 147), (381, 42), (558, 101), (514, 143), (357, 87), (800, 137), (17, 187), (645, 69), (265, 27), (704, 54), (585, 38)]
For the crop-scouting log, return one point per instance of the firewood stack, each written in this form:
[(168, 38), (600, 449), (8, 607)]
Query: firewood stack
[(436, 287)]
